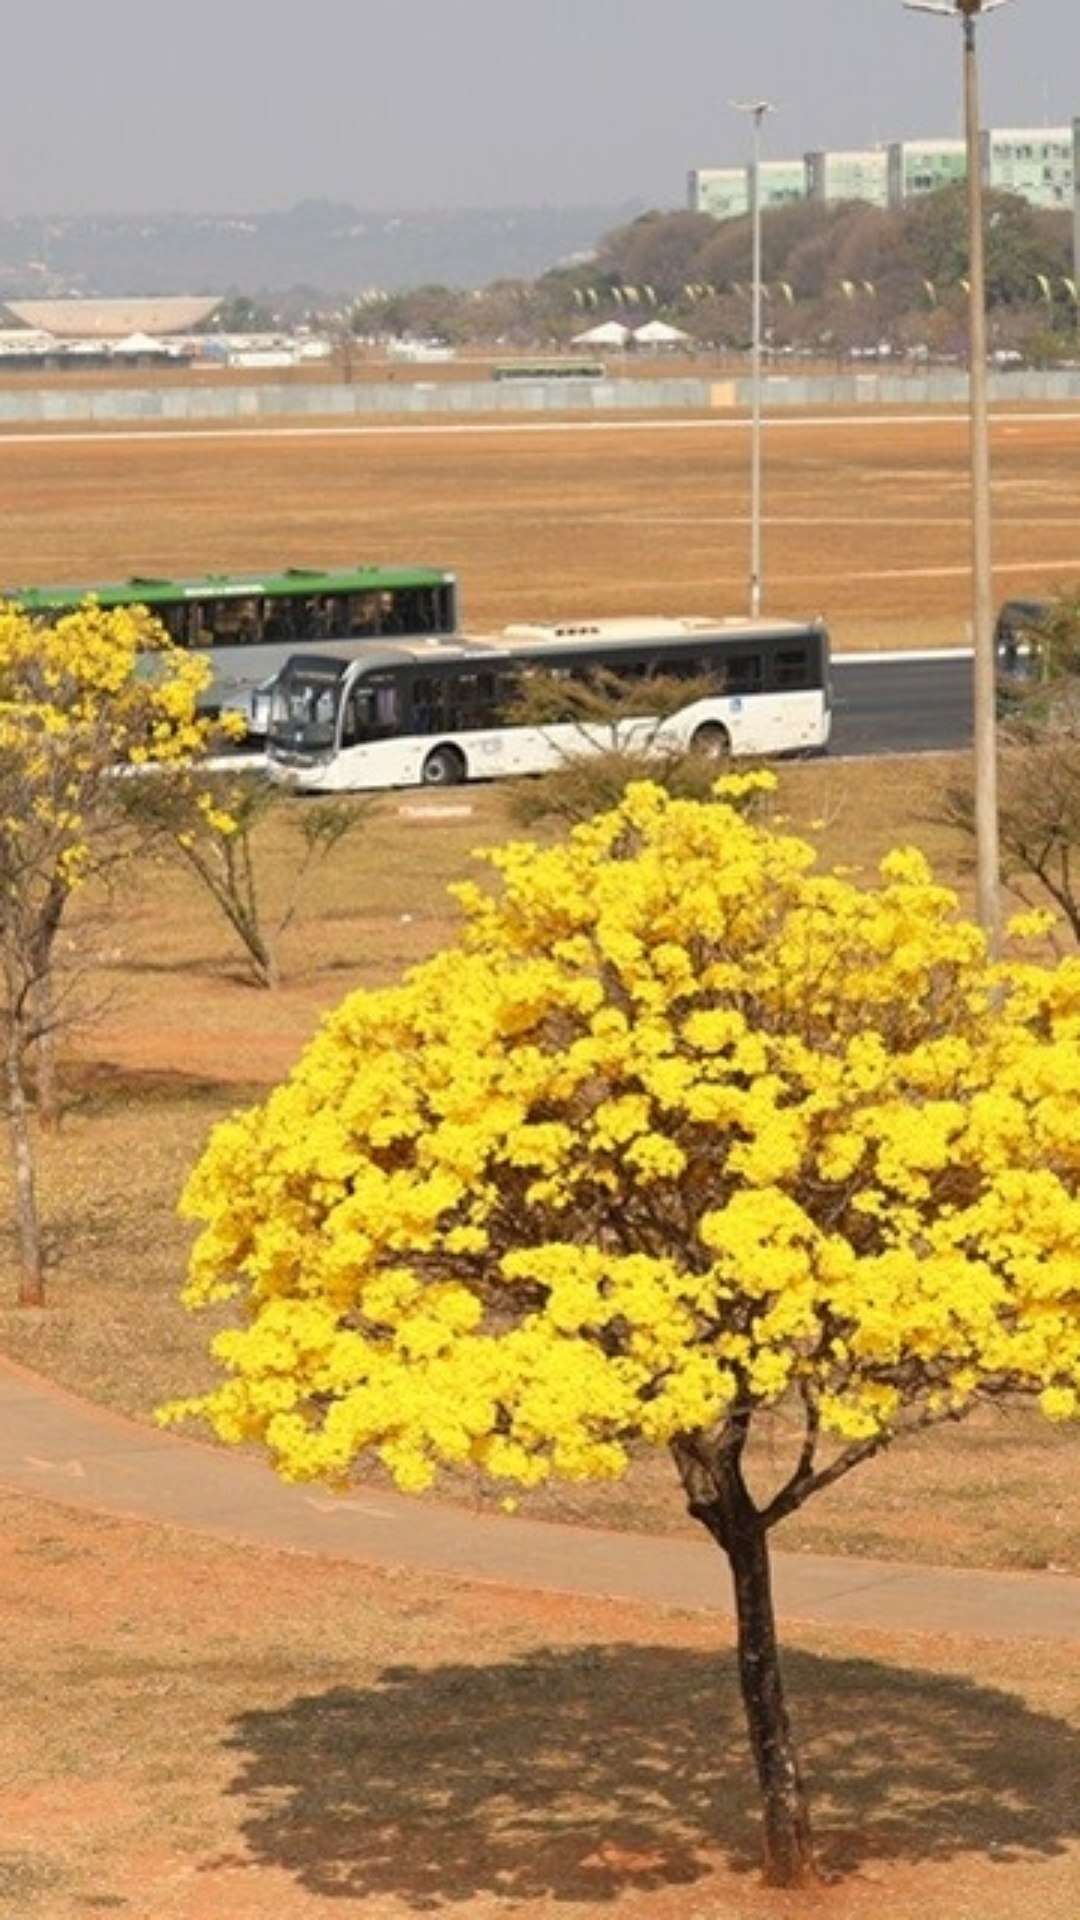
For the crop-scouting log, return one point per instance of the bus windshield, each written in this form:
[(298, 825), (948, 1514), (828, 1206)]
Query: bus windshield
[(304, 705)]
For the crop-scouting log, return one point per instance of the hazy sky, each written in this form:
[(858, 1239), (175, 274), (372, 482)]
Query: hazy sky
[(227, 104)]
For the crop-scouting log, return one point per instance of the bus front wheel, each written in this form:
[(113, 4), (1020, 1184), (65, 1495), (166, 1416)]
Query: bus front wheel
[(713, 740), (444, 767)]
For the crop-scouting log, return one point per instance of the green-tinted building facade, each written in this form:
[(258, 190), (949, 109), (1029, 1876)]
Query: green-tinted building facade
[(922, 166), (1035, 162), (722, 191), (854, 173)]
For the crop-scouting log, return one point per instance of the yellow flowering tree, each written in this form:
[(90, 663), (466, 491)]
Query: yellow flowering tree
[(678, 1138), (74, 704)]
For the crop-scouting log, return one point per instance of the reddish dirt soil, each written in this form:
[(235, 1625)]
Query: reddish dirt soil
[(196, 1732)]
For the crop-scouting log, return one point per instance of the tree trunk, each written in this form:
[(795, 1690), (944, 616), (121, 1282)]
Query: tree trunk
[(264, 962), (717, 1496), (28, 1227), (789, 1856), (46, 1091)]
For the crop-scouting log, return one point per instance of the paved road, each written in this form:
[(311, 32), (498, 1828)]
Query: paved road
[(890, 704), (1009, 421), (56, 1446)]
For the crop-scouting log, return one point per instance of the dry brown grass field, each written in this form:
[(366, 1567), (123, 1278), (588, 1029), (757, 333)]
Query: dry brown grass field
[(183, 1040), (866, 521)]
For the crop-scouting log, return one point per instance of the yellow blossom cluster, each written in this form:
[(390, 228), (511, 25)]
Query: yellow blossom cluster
[(79, 697), (679, 1127)]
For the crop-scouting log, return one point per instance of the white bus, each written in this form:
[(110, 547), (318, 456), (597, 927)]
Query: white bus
[(430, 712)]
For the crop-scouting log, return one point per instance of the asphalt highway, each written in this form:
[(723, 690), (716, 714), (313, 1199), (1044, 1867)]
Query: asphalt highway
[(892, 703)]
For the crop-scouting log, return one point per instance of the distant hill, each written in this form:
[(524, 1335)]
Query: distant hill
[(319, 244)]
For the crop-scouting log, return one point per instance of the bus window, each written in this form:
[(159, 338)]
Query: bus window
[(472, 701), (739, 672), (791, 667), (428, 703), (621, 666), (362, 614), (679, 668), (386, 708), (371, 712), (391, 614), (225, 623), (175, 622), (317, 618), (279, 624)]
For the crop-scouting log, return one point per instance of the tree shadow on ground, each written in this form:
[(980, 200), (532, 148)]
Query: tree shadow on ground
[(573, 1774), (106, 1086)]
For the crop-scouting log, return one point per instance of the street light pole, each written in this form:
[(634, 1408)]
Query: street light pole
[(987, 848), (757, 109)]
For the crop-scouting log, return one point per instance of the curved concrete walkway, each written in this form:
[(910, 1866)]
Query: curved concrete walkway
[(61, 1448)]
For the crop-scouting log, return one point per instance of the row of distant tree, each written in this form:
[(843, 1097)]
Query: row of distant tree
[(838, 277)]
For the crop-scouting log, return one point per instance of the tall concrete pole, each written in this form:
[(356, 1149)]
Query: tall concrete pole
[(987, 851), (757, 109), (755, 377), (1076, 206)]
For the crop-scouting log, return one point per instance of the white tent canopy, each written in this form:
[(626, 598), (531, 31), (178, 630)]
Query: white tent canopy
[(139, 343), (657, 333), (610, 333)]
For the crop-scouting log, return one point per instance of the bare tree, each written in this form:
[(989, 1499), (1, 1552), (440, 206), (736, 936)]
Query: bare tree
[(1039, 762), (212, 823), (608, 732), (1039, 814)]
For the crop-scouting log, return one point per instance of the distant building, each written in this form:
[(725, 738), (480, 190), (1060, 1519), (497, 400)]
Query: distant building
[(1040, 164), (722, 191), (725, 191), (113, 319), (856, 173), (782, 181), (922, 166), (1035, 162)]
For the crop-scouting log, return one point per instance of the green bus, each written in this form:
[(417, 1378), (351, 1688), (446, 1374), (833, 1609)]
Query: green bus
[(549, 370), (250, 624)]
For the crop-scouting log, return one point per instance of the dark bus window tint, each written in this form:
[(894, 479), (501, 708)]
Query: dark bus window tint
[(791, 667), (471, 702), (225, 622), (318, 617), (739, 672), (200, 632), (361, 615), (174, 620), (684, 666), (416, 610), (280, 625), (428, 703), (507, 696), (631, 666)]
